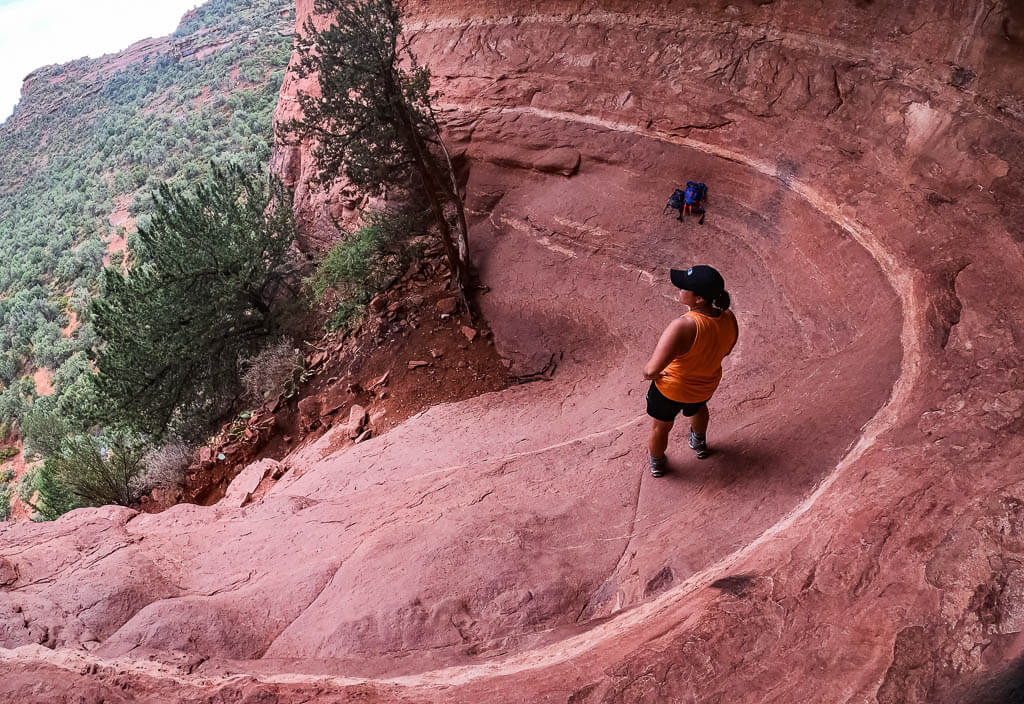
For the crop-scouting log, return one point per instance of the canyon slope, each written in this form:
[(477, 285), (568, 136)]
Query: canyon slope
[(858, 533)]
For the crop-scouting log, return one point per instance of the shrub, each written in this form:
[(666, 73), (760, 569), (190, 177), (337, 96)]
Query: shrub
[(5, 502), (366, 262), (165, 467), (213, 271), (349, 265), (276, 371), (7, 452), (53, 498), (26, 486), (83, 469)]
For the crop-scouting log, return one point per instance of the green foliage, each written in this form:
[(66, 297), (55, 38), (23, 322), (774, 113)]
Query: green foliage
[(82, 138), (26, 487), (372, 118), (366, 262), (83, 469), (211, 274), (7, 452), (368, 106), (6, 489), (41, 491), (349, 265)]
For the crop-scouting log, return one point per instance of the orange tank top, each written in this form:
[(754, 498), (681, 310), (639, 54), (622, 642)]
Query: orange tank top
[(692, 377)]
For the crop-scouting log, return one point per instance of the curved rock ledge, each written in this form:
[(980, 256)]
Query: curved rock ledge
[(857, 536)]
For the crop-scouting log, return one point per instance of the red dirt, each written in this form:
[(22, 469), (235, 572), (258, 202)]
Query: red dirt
[(121, 216), (68, 330), (43, 379)]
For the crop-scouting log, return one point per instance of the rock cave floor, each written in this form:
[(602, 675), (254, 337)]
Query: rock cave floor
[(521, 526)]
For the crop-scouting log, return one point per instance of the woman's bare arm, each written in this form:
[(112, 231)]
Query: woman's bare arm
[(736, 327), (676, 340)]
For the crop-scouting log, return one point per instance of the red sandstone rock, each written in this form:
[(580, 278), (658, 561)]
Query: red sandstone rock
[(379, 381), (356, 420), (310, 411), (855, 538), (245, 484), (446, 305)]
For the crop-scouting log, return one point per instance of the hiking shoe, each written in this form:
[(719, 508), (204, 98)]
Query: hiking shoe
[(659, 465), (699, 444)]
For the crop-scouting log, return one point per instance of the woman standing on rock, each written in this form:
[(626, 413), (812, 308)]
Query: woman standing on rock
[(687, 363)]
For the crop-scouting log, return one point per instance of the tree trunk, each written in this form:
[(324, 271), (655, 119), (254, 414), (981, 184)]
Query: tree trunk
[(433, 187), (463, 238)]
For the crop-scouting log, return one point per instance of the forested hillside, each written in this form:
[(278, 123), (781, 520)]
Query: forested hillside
[(81, 157)]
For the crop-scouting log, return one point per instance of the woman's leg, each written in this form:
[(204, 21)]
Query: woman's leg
[(698, 431), (658, 440), (699, 421)]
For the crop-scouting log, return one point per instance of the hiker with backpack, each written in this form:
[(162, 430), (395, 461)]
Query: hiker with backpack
[(686, 366), (689, 201)]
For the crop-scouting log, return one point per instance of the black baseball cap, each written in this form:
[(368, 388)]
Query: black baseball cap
[(703, 280)]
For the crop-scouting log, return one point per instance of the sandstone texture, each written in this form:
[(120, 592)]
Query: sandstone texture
[(858, 533)]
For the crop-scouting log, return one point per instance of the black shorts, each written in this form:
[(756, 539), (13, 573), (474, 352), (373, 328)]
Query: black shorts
[(665, 409)]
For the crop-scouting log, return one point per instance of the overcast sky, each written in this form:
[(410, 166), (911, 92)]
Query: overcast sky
[(35, 33)]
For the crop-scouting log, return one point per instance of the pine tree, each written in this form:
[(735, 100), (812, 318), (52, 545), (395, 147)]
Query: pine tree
[(373, 120), (201, 294)]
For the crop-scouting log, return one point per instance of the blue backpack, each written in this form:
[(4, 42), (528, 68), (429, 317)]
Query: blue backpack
[(694, 193)]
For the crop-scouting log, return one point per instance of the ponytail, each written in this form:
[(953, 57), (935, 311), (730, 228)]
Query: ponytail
[(721, 301)]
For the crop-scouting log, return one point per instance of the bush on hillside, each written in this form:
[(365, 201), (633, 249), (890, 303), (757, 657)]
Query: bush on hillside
[(276, 371), (165, 467), (366, 262), (83, 469)]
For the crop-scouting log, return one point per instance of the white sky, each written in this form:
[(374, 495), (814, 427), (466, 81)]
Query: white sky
[(35, 33)]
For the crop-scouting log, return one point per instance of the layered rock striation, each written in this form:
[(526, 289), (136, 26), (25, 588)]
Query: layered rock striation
[(856, 537)]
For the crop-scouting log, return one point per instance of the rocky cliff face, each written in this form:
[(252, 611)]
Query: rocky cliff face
[(857, 537)]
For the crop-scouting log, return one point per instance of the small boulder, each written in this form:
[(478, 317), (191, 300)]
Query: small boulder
[(309, 412), (378, 303), (415, 363), (469, 332), (8, 573), (446, 305), (378, 381), (356, 420), (242, 487)]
